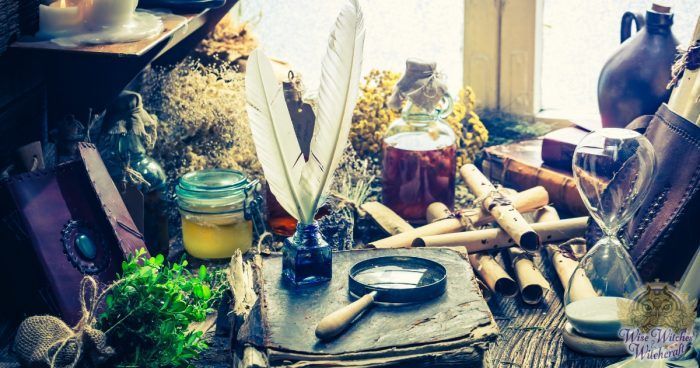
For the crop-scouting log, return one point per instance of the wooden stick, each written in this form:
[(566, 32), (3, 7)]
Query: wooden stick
[(525, 201), (490, 239), (495, 277), (333, 324), (386, 218), (505, 214), (530, 280)]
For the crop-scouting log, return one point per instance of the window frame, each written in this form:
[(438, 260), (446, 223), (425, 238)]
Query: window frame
[(503, 59)]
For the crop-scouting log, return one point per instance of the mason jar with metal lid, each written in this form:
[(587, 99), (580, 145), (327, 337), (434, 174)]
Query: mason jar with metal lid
[(220, 209)]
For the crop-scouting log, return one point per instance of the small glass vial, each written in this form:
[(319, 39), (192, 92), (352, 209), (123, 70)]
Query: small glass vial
[(307, 257), (217, 208), (419, 161)]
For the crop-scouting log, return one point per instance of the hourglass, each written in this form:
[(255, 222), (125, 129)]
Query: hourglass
[(613, 169)]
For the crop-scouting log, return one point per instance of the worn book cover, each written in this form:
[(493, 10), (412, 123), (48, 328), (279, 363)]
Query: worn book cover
[(519, 166)]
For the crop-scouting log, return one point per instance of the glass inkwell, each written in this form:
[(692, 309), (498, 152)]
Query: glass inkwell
[(613, 169), (419, 149), (307, 257)]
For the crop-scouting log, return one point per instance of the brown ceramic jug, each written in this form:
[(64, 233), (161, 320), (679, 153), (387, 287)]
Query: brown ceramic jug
[(633, 81)]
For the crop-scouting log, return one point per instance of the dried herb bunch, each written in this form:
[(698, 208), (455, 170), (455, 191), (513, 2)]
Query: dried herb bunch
[(203, 121), (229, 41), (148, 312), (355, 178), (372, 116)]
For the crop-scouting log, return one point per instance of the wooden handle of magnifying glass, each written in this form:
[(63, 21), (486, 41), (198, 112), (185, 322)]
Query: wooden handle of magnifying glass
[(334, 323)]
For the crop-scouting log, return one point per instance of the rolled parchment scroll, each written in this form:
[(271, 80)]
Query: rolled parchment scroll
[(530, 280), (525, 201), (490, 239), (502, 209), (495, 277), (437, 211), (565, 265), (498, 279)]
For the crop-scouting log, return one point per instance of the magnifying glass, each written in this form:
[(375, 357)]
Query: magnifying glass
[(393, 280)]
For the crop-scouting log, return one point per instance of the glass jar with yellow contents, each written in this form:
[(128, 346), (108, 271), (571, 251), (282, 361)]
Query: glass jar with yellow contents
[(217, 208)]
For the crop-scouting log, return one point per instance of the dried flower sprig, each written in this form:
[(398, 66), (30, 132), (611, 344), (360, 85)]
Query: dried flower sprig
[(355, 178)]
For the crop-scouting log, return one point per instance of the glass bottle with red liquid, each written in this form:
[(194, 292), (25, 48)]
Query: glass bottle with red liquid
[(419, 160)]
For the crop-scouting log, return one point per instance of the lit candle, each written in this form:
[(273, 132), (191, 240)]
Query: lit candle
[(102, 14), (59, 18)]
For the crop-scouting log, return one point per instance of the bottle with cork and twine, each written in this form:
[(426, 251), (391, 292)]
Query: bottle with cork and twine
[(419, 149)]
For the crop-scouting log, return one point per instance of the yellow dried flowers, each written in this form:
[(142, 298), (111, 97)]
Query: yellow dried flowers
[(372, 116), (471, 132)]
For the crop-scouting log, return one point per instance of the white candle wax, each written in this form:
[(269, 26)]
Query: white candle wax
[(102, 14), (58, 18)]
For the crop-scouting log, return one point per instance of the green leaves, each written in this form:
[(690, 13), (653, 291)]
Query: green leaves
[(147, 314)]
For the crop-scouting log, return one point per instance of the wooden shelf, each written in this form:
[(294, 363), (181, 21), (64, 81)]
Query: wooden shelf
[(176, 28), (91, 77)]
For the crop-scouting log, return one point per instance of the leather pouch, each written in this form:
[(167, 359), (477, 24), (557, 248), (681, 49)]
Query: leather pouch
[(77, 225), (665, 233)]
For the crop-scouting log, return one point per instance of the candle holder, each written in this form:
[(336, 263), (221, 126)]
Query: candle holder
[(70, 23), (106, 14), (60, 18)]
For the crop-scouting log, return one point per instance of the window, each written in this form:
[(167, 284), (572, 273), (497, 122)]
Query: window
[(297, 32), (579, 37), (530, 57)]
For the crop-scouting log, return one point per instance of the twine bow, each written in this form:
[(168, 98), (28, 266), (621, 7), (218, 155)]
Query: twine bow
[(567, 248), (90, 299), (686, 59), (498, 198)]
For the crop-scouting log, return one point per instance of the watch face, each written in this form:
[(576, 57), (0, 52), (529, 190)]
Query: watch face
[(85, 248)]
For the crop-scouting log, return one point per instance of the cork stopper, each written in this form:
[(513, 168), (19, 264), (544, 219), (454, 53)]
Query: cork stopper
[(661, 7)]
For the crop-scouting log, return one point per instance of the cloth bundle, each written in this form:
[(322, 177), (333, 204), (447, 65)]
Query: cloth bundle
[(46, 341), (421, 84)]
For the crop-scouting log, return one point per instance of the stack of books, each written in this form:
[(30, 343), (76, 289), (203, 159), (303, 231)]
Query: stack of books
[(544, 161)]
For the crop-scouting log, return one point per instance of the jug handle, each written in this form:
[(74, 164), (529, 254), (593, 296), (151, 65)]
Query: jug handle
[(626, 24)]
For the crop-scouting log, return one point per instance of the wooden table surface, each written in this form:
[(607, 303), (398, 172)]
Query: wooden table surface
[(530, 335)]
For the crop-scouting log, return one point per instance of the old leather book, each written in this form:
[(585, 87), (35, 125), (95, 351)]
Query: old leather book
[(558, 146), (519, 166), (452, 330), (74, 223)]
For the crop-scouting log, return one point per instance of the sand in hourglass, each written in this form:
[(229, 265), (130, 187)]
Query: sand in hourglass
[(418, 171)]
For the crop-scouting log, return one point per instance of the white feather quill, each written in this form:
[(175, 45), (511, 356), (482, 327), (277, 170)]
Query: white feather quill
[(298, 185), (337, 95), (273, 134)]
